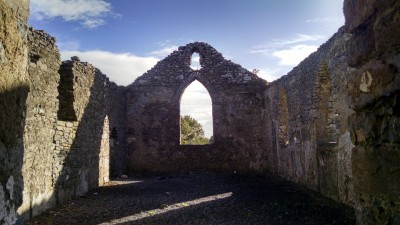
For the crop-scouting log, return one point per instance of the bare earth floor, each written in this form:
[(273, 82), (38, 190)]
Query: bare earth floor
[(199, 198)]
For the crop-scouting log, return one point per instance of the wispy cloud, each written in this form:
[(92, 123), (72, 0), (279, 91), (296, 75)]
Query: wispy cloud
[(166, 47), (291, 51), (122, 68), (89, 13), (93, 23), (165, 51), (326, 20), (68, 45), (164, 43), (274, 45)]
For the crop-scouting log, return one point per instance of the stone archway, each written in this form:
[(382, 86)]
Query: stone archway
[(154, 110)]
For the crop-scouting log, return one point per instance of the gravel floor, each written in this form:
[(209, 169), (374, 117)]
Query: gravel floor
[(199, 198)]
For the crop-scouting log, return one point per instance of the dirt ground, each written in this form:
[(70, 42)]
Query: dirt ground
[(200, 198)]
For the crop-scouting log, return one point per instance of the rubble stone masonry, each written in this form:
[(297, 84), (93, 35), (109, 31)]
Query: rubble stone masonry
[(60, 156), (153, 133), (14, 86), (332, 124), (343, 115)]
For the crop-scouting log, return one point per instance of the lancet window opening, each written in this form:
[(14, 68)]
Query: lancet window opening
[(196, 121)]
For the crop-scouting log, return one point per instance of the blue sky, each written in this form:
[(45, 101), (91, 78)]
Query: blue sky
[(125, 38)]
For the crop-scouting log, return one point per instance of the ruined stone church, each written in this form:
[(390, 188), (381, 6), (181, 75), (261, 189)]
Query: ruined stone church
[(332, 124)]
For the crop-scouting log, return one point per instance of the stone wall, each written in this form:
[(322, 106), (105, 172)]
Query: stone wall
[(14, 87), (153, 132), (46, 158), (374, 90), (83, 145), (312, 123), (341, 136), (41, 117), (51, 156)]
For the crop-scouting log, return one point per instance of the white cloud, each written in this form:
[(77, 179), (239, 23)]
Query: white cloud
[(300, 38), (162, 53), (196, 102), (122, 68), (294, 55), (88, 13), (164, 43)]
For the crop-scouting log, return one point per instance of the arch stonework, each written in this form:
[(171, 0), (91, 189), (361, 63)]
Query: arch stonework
[(154, 111)]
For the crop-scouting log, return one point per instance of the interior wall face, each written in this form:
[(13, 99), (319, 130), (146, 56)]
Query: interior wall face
[(13, 93), (153, 115), (343, 102), (41, 116), (55, 121), (68, 146), (305, 121)]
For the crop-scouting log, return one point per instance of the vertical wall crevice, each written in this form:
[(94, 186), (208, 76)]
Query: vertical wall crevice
[(283, 121), (284, 151), (325, 119), (326, 138)]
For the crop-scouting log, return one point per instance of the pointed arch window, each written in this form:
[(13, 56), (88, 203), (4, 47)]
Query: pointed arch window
[(196, 121)]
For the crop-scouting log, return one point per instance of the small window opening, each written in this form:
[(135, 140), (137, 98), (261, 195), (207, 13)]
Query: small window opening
[(66, 111), (114, 133), (196, 121), (195, 61)]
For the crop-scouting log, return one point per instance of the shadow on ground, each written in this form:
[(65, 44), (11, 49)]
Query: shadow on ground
[(200, 198)]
